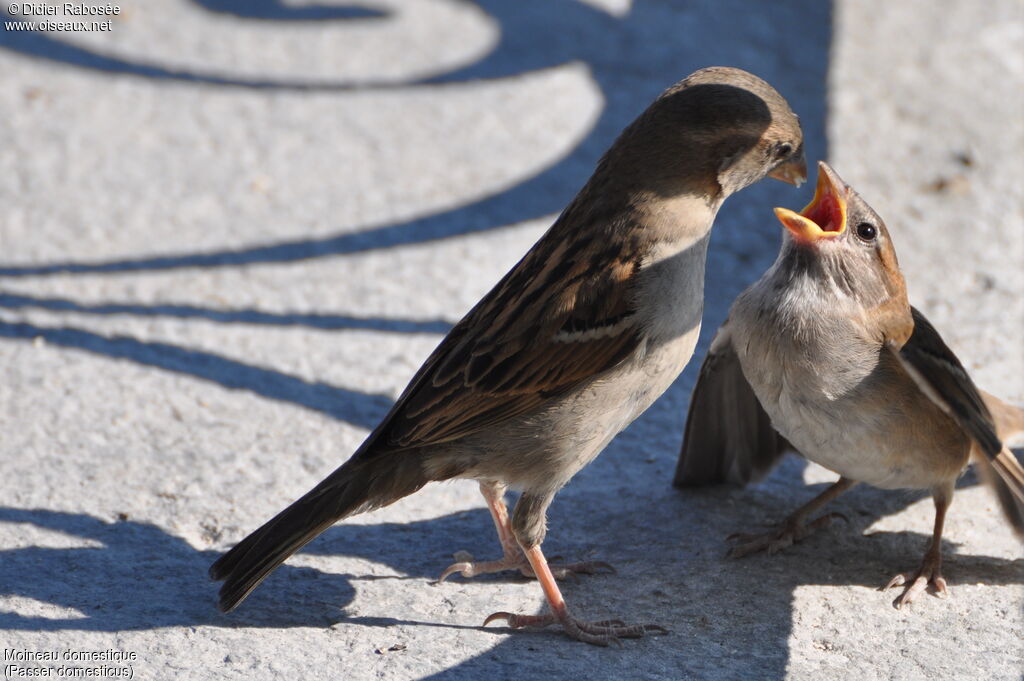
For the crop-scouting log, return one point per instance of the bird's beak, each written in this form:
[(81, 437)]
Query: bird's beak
[(793, 171), (825, 216)]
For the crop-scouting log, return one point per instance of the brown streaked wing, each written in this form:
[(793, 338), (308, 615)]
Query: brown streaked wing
[(561, 316)]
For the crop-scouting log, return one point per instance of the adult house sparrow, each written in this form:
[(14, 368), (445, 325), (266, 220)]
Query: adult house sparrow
[(824, 354), (576, 341)]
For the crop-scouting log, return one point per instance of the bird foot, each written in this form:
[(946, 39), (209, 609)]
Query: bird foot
[(790, 532), (604, 633), (928, 574), (470, 568)]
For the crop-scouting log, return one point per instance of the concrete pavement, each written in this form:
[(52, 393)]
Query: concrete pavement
[(232, 231)]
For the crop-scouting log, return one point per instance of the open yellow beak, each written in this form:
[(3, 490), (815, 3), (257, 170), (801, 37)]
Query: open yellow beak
[(825, 216), (793, 171)]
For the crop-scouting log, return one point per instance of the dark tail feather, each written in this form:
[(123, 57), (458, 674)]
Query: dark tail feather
[(1002, 471), (359, 485)]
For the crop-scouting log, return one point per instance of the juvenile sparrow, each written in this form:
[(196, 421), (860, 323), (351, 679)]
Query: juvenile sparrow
[(577, 340), (825, 355)]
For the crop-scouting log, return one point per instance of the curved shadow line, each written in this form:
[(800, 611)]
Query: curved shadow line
[(515, 48), (351, 406), (544, 193), (274, 10), (42, 47), (587, 35), (531, 198), (329, 322)]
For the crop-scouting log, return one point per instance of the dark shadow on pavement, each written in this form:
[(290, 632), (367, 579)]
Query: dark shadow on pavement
[(670, 558), (351, 406), (314, 320), (632, 58), (275, 10)]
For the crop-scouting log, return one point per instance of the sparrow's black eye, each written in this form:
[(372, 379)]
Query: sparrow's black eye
[(867, 231), (782, 150)]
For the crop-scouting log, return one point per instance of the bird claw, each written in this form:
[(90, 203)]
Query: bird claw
[(928, 575), (465, 568), (603, 633), (898, 580), (509, 617), (792, 531), (470, 568)]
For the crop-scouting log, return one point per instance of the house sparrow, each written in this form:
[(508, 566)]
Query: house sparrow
[(825, 355), (576, 341)]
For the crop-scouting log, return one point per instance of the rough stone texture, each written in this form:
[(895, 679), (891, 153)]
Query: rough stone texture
[(232, 231)]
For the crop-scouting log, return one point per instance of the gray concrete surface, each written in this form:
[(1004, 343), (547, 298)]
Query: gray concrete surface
[(232, 230)]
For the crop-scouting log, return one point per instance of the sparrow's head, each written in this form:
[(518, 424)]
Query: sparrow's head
[(839, 243), (715, 132)]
